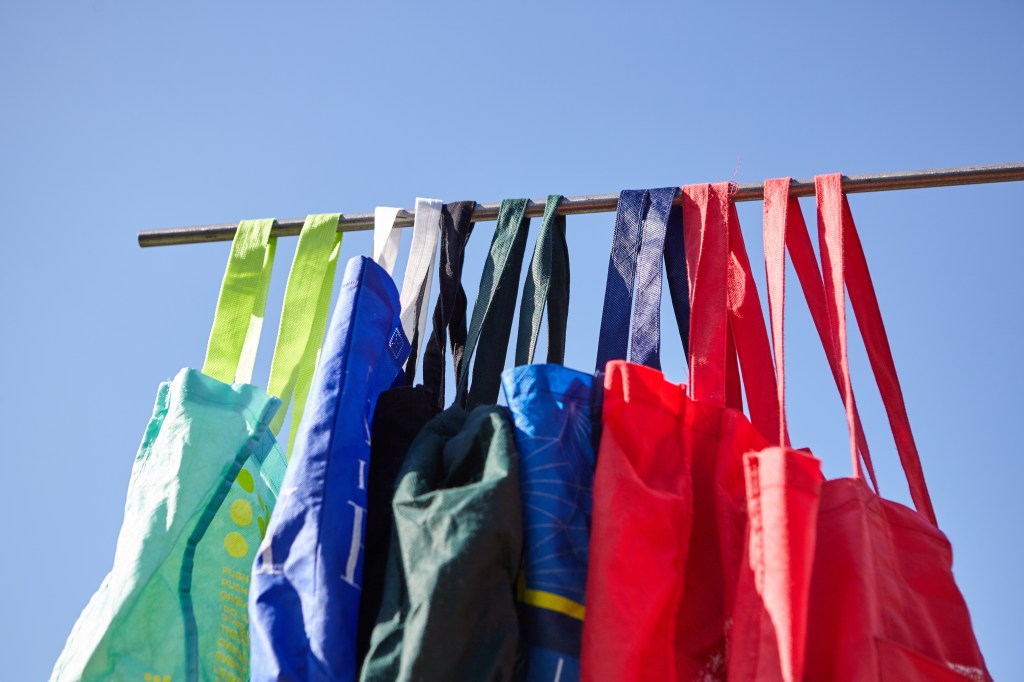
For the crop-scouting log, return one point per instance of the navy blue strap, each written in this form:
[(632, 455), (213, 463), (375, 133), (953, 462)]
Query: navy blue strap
[(675, 270), (646, 230), (613, 342), (645, 341)]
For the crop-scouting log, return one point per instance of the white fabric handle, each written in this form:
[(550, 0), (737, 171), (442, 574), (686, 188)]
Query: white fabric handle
[(420, 269), (385, 237)]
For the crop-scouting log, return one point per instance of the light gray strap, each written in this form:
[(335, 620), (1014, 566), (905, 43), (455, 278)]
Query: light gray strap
[(420, 269), (385, 237)]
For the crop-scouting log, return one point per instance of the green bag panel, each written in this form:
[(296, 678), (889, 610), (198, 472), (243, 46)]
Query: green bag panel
[(449, 610), (202, 486)]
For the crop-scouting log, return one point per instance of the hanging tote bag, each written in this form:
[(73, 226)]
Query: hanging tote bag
[(448, 611), (840, 583), (304, 600), (554, 408), (402, 411), (203, 485), (667, 534), (769, 622)]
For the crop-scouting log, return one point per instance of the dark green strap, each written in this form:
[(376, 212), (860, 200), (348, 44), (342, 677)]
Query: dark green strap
[(495, 306), (547, 282)]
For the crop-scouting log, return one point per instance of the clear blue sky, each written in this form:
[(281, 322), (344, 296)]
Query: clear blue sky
[(118, 116)]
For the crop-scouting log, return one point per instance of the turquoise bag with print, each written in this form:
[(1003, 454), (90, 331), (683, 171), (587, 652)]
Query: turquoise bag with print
[(174, 605)]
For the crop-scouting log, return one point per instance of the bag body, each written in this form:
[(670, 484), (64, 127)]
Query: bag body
[(203, 485), (840, 583), (669, 512), (304, 601), (174, 603), (556, 410), (448, 609), (403, 411), (551, 410)]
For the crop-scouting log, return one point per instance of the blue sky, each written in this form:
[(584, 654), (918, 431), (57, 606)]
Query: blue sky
[(120, 116)]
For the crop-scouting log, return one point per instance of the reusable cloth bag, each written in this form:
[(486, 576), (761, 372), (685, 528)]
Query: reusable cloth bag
[(304, 600), (667, 539), (839, 583), (204, 482), (553, 408), (402, 411), (448, 611)]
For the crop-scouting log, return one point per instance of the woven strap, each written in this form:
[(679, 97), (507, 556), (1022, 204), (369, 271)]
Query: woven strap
[(647, 229), (495, 307), (547, 285)]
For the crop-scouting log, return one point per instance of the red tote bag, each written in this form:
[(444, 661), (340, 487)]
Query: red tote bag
[(838, 582), (669, 510)]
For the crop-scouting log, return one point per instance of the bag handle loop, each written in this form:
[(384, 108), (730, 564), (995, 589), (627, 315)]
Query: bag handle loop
[(241, 304), (386, 237), (647, 229), (304, 317), (495, 306), (726, 318), (547, 284), (419, 273), (784, 228), (844, 267), (450, 308)]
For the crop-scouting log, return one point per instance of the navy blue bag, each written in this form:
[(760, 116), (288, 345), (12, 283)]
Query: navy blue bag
[(305, 589), (557, 413)]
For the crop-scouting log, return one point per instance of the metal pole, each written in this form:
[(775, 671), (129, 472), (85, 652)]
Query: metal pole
[(606, 203)]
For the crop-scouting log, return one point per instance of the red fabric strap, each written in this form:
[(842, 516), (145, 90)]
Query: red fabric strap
[(784, 227), (726, 321), (844, 266)]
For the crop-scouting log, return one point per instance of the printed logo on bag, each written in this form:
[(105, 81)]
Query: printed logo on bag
[(396, 343)]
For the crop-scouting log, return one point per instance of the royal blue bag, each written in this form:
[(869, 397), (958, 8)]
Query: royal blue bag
[(304, 595), (557, 416)]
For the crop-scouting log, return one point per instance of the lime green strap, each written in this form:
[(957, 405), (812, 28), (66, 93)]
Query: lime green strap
[(238, 320), (247, 361), (311, 356), (304, 298)]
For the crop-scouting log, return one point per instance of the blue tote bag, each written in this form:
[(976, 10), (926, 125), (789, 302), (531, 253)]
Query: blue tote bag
[(305, 589), (557, 412)]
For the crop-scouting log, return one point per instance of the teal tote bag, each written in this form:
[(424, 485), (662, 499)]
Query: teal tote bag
[(204, 482)]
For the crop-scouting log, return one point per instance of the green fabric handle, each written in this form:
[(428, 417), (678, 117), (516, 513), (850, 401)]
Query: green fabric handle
[(495, 306), (311, 356), (238, 319), (304, 298), (547, 283)]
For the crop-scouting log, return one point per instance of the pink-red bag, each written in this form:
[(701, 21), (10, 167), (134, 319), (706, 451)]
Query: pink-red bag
[(837, 582), (668, 525)]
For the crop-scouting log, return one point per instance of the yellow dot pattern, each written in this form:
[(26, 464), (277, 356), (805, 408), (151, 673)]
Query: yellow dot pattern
[(236, 545), (245, 481), (241, 512)]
